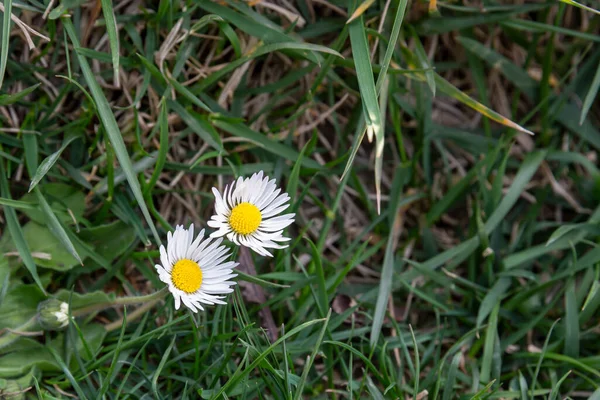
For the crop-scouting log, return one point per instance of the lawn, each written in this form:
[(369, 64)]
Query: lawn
[(400, 199)]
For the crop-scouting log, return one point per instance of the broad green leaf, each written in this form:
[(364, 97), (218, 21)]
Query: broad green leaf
[(19, 305), (109, 240)]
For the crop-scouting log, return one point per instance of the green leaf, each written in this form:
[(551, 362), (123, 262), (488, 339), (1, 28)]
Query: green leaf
[(4, 45), (261, 140), (113, 36), (590, 96), (492, 299), (198, 124), (111, 129), (56, 228), (81, 300), (19, 305), (387, 270), (8, 99), (47, 250), (571, 321), (579, 5), (60, 197), (110, 240), (15, 231), (451, 379), (49, 162), (488, 348), (368, 94)]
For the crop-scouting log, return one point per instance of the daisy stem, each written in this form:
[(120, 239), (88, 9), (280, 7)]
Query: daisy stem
[(121, 301)]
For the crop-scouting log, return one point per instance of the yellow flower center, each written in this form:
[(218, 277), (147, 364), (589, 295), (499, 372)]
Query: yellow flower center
[(245, 218), (186, 275)]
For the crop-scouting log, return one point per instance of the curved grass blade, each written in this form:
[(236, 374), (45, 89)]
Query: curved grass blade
[(112, 129)]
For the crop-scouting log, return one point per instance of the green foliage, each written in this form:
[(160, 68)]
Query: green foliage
[(456, 255)]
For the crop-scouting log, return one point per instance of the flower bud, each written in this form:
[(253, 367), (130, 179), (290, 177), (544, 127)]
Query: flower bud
[(53, 314)]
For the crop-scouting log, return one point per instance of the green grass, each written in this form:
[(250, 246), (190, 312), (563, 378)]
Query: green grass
[(451, 255)]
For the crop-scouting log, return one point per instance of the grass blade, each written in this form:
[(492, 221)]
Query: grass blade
[(112, 130), (449, 385), (4, 45), (8, 99), (387, 271), (311, 358), (368, 94), (579, 5), (113, 36), (488, 347), (49, 162), (590, 96), (571, 321), (55, 226), (15, 230)]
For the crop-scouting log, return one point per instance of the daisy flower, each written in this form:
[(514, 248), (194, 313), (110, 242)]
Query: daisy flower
[(195, 270), (247, 213)]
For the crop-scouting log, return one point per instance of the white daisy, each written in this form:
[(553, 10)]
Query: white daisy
[(247, 214), (195, 269)]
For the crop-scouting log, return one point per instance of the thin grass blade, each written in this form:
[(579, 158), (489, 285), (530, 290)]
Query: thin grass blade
[(112, 130)]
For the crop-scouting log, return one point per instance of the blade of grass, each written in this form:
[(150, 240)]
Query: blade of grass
[(368, 94), (49, 162), (113, 36), (163, 148), (16, 232), (112, 129), (8, 99), (590, 96), (160, 367), (451, 378), (571, 321), (579, 5), (555, 389), (280, 149), (55, 226), (322, 298), (488, 348), (389, 52), (387, 271), (360, 10), (492, 298), (311, 358), (4, 45)]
